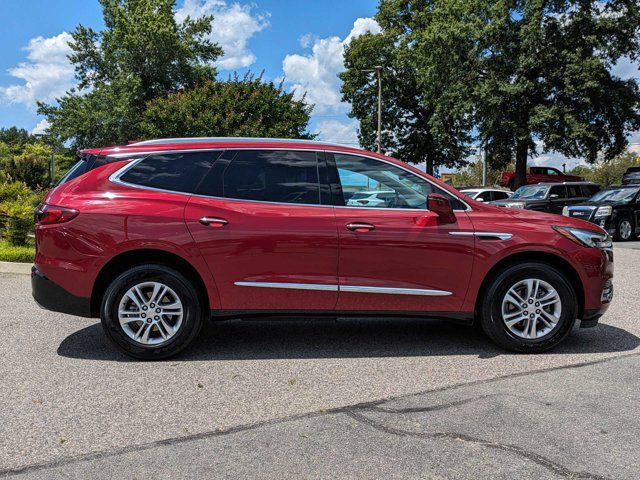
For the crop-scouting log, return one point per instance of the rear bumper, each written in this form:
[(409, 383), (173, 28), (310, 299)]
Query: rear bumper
[(52, 296)]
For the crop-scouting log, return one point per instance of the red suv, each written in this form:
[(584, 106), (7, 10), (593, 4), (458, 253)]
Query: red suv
[(157, 236)]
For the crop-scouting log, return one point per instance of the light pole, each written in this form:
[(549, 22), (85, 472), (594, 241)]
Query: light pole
[(378, 70)]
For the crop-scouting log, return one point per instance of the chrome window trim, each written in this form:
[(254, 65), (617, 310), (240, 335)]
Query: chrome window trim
[(115, 177), (500, 235), (346, 288)]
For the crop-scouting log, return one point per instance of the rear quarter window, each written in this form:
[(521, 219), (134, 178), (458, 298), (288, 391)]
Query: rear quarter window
[(84, 165)]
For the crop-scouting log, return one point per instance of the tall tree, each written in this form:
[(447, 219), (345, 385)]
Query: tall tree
[(531, 74), (419, 122), (242, 107), (142, 54)]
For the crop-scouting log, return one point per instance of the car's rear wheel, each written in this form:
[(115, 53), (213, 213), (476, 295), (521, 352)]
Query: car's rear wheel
[(151, 312), (625, 229), (529, 307)]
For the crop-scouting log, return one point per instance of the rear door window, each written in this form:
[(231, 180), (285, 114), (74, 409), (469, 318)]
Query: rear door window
[(561, 191), (500, 195), (575, 191), (282, 176), (176, 172)]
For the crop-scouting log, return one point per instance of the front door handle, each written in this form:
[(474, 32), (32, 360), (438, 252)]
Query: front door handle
[(360, 227), (213, 222)]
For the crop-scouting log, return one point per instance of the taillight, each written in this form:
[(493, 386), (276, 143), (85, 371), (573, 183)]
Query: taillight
[(50, 214)]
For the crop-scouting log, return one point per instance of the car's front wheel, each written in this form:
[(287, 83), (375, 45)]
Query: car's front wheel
[(151, 312), (529, 307)]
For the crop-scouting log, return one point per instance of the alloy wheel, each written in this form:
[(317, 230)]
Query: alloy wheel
[(531, 308), (625, 229), (150, 313)]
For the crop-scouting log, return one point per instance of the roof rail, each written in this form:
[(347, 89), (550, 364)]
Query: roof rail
[(165, 141)]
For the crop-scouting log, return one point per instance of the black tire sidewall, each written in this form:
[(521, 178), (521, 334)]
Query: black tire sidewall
[(192, 317), (491, 312)]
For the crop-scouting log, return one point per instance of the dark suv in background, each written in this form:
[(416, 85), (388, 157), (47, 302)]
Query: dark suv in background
[(549, 197), (616, 209)]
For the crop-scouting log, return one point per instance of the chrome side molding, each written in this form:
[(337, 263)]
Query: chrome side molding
[(346, 288), (293, 286), (485, 235), (394, 291)]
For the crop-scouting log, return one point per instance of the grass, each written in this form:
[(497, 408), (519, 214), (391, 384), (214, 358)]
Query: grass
[(11, 253)]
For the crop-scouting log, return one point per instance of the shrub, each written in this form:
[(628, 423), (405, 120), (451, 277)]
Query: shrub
[(18, 210)]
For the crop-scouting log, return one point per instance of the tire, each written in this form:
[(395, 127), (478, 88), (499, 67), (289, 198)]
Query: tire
[(625, 229), (518, 338), (179, 312)]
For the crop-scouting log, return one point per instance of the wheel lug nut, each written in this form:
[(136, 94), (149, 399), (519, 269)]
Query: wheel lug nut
[(156, 318), (144, 315), (524, 305), (526, 313), (537, 311), (157, 310), (531, 316), (152, 305), (530, 301), (144, 308), (148, 320)]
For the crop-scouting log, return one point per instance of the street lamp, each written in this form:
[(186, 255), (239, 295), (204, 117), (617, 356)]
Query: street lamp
[(378, 70)]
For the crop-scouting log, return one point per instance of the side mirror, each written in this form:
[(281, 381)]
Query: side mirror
[(479, 199), (554, 196), (441, 206)]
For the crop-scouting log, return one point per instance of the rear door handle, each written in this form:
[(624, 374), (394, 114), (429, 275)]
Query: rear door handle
[(360, 227), (213, 222)]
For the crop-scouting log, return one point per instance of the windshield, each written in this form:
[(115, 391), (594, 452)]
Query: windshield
[(531, 191), (470, 193), (615, 195)]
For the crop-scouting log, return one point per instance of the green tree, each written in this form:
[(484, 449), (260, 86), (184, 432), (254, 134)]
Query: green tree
[(14, 138), (471, 175), (420, 123), (142, 54), (517, 74), (31, 164), (242, 106), (608, 172)]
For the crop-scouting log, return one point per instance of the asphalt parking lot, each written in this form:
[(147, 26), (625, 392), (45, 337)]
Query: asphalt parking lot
[(283, 399)]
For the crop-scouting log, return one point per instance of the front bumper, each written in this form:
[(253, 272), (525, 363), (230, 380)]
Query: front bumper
[(53, 297)]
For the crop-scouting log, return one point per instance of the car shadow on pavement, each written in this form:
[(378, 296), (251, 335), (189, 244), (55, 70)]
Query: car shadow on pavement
[(352, 338)]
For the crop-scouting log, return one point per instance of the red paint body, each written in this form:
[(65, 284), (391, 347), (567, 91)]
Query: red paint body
[(539, 175), (308, 244)]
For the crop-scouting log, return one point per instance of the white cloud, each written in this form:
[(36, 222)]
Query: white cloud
[(45, 75), (336, 131), (316, 73), (232, 28), (41, 128)]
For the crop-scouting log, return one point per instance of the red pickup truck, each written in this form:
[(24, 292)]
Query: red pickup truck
[(539, 175)]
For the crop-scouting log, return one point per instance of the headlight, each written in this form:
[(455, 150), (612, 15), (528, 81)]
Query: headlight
[(514, 205), (565, 211), (586, 238), (603, 211)]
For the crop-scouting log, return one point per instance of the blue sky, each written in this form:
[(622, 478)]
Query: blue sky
[(300, 41), (278, 37)]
